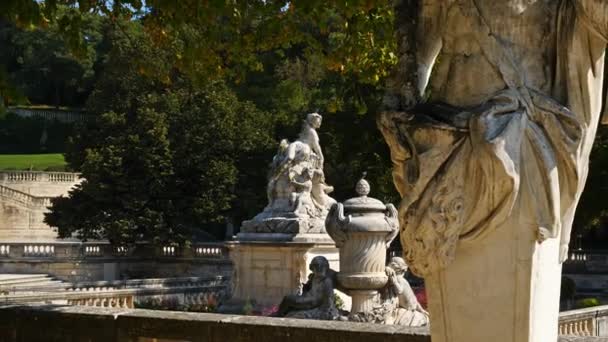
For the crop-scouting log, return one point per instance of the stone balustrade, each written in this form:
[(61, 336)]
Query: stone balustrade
[(584, 322), (38, 250), (104, 249), (5, 250), (168, 250), (587, 261), (110, 301), (38, 176), (30, 201), (188, 292), (66, 116), (86, 261), (210, 251), (94, 250)]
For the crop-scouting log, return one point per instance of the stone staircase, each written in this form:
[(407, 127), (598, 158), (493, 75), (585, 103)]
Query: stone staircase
[(27, 283)]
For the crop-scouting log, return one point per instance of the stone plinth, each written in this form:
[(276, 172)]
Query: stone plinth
[(520, 279), (267, 267)]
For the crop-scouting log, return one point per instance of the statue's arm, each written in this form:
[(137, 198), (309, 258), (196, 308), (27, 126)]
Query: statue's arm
[(316, 147), (429, 39)]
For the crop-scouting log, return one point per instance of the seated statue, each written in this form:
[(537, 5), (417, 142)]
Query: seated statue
[(317, 299), (399, 295)]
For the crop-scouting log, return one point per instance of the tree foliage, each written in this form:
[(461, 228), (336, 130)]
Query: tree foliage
[(39, 66), (161, 161)]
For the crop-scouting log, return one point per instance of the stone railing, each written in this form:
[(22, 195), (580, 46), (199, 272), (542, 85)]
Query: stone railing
[(584, 322), (50, 114), (101, 249), (5, 250), (83, 261), (34, 202), (182, 292), (38, 176), (587, 261), (38, 250)]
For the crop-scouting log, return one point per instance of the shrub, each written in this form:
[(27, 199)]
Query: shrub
[(587, 303)]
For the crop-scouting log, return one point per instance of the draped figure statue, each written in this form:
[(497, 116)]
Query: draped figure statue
[(491, 165)]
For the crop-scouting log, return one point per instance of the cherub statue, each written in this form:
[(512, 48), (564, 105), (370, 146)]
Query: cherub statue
[(399, 294)]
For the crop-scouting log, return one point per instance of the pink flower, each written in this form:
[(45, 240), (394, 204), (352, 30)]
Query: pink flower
[(269, 310), (421, 296)]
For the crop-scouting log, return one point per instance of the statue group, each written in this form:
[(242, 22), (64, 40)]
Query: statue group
[(397, 303), (298, 197)]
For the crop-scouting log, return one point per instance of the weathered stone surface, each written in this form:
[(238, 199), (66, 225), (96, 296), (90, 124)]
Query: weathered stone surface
[(77, 324), (492, 166)]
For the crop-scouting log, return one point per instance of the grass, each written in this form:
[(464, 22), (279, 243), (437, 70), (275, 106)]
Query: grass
[(34, 162)]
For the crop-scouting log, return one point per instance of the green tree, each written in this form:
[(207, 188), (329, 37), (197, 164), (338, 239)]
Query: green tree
[(39, 64), (164, 160)]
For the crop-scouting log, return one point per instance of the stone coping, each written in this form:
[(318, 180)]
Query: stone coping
[(592, 312), (283, 239), (81, 323)]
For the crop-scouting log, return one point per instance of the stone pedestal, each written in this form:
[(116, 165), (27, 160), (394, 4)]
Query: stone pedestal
[(269, 266), (502, 289)]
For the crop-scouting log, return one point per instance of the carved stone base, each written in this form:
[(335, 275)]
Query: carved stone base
[(363, 300), (266, 271), (504, 289), (284, 225)]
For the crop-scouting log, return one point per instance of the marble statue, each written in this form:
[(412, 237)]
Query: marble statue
[(298, 199), (400, 298), (397, 304), (317, 298), (492, 165)]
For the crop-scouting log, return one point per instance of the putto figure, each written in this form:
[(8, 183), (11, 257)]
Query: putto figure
[(298, 199)]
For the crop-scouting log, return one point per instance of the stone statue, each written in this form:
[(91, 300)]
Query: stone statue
[(298, 199), (398, 304), (491, 167), (399, 296), (317, 299)]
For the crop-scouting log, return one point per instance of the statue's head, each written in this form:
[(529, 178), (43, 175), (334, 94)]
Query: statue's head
[(319, 266), (314, 120), (398, 265)]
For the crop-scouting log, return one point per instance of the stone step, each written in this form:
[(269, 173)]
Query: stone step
[(17, 280), (38, 284)]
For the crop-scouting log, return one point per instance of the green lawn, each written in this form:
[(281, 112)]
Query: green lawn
[(34, 162)]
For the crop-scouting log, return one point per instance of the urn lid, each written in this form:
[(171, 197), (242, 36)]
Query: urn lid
[(362, 203)]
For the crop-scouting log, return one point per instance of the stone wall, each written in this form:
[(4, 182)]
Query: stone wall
[(52, 323), (97, 324)]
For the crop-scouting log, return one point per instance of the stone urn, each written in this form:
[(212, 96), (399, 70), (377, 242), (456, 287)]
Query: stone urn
[(362, 228)]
